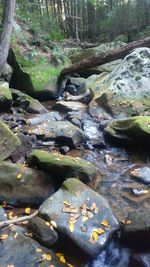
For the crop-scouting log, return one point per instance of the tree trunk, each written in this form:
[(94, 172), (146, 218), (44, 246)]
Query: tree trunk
[(7, 22), (105, 57)]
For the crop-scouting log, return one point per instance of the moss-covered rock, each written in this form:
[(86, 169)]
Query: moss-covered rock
[(137, 129), (34, 74), (9, 142), (126, 89), (5, 96), (62, 167), (21, 186), (86, 231), (28, 103)]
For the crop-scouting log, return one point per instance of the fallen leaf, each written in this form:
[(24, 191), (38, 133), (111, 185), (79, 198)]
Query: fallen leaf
[(105, 223), (28, 211), (53, 224), (84, 229), (47, 223), (19, 176), (48, 257), (62, 259), (70, 265), (10, 215), (99, 231), (29, 234), (94, 238), (128, 222), (15, 235), (90, 214), (38, 250), (3, 237), (85, 219), (59, 254), (71, 227), (10, 265), (4, 204)]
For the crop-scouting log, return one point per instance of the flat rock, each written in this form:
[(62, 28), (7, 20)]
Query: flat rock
[(22, 251), (61, 131), (71, 106), (48, 117), (75, 197), (21, 186), (9, 142), (61, 167), (136, 233)]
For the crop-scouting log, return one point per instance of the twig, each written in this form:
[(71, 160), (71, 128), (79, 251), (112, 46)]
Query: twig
[(18, 220)]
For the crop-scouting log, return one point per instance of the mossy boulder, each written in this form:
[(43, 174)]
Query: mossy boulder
[(5, 96), (136, 129), (126, 89), (34, 74), (91, 212), (21, 186), (61, 167), (27, 102), (9, 142)]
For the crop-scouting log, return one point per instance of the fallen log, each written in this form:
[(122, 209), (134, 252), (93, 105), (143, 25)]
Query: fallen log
[(105, 57)]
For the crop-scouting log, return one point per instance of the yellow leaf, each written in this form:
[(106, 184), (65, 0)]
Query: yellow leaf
[(94, 237), (59, 254), (15, 235), (48, 223), (48, 257), (85, 218), (53, 224), (99, 231), (4, 236), (128, 222), (10, 265), (70, 265), (19, 176), (104, 223), (28, 211), (4, 204), (71, 227), (10, 215), (62, 259)]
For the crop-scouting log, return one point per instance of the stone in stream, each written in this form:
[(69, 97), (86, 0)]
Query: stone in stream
[(135, 129), (136, 232), (21, 186), (20, 250), (141, 173), (48, 117), (42, 232), (62, 167), (9, 142), (71, 106), (5, 96), (125, 90), (28, 103), (62, 131), (139, 260), (81, 215)]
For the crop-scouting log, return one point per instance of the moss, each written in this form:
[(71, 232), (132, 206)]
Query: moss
[(138, 77)]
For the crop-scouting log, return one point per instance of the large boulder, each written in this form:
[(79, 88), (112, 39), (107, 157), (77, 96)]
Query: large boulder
[(27, 103), (139, 260), (5, 96), (62, 167), (61, 131), (81, 215), (21, 186), (18, 249), (9, 142), (126, 89), (134, 129)]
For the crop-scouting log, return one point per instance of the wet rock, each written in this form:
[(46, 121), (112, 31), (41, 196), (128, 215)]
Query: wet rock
[(142, 174), (42, 232), (62, 167), (48, 117), (2, 215), (9, 142), (136, 231), (71, 89), (23, 251), (20, 186), (139, 260), (135, 129), (7, 72), (70, 106), (75, 197), (61, 131), (28, 103), (5, 96), (80, 84), (126, 89)]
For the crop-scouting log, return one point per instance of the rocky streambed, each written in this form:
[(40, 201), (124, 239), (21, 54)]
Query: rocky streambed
[(82, 162)]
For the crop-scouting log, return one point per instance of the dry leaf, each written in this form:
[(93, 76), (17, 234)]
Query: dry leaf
[(10, 265), (85, 219), (59, 254), (105, 224), (62, 259), (48, 257), (53, 224), (71, 227), (70, 265), (29, 234), (19, 176), (67, 203), (4, 204), (94, 238), (128, 222), (47, 223), (77, 193), (28, 211), (84, 229), (38, 250), (90, 214), (10, 215), (99, 231), (3, 237), (15, 235)]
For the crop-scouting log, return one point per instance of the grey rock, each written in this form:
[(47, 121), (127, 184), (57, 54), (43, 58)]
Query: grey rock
[(139, 260), (5, 96), (142, 174)]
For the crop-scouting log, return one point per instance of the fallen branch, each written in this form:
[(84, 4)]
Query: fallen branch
[(105, 57), (18, 220)]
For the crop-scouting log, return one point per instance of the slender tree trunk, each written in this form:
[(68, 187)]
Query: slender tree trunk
[(7, 22)]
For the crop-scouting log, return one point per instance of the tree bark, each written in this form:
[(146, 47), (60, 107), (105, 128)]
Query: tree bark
[(105, 57), (7, 22)]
